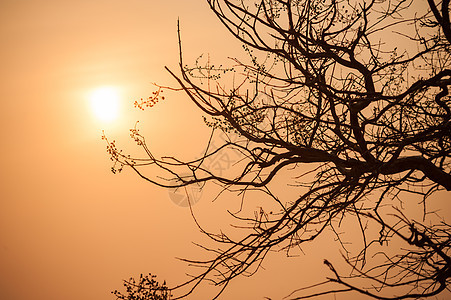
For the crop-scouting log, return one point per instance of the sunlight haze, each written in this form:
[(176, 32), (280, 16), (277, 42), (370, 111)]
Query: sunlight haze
[(105, 103)]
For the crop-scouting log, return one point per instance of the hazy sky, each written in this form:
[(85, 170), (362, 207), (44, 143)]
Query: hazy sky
[(69, 228)]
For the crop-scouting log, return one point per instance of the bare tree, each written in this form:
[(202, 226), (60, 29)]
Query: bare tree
[(326, 92)]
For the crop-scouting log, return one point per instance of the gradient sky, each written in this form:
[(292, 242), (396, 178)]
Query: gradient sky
[(69, 228)]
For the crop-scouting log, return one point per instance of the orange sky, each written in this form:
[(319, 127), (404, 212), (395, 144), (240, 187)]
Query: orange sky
[(69, 228)]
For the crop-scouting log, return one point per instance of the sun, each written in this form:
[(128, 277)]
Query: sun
[(105, 103)]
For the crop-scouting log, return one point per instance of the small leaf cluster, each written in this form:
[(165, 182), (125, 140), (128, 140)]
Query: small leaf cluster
[(150, 101), (115, 155), (203, 70), (220, 123), (146, 288), (136, 136)]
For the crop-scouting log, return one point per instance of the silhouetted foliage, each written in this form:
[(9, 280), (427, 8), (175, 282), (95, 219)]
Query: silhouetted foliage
[(146, 288), (352, 92)]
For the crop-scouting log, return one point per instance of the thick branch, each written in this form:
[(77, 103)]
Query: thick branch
[(431, 171)]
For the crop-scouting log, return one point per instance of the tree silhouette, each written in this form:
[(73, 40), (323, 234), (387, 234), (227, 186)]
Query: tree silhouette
[(352, 92)]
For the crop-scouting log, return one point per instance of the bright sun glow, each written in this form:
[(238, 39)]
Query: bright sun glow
[(105, 103)]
